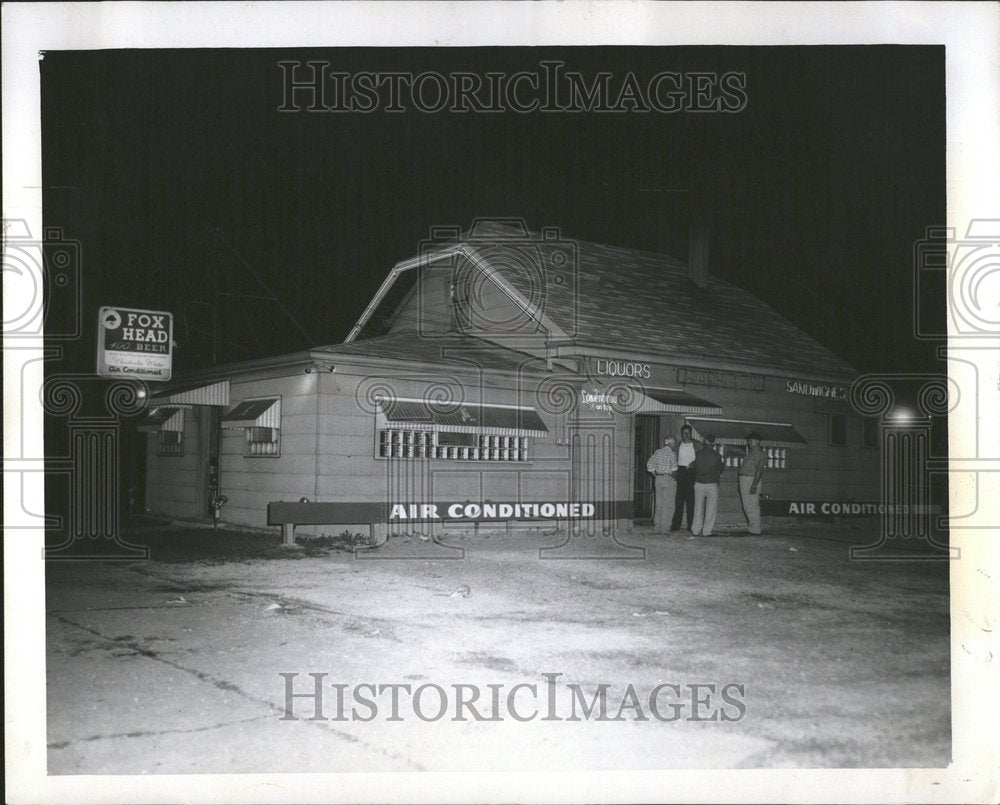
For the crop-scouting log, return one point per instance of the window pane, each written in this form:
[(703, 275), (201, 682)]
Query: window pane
[(838, 429)]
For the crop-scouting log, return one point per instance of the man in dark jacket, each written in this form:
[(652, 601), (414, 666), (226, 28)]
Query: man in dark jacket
[(708, 467), (687, 449)]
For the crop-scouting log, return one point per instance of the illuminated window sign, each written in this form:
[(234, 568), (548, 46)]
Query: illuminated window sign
[(815, 389)]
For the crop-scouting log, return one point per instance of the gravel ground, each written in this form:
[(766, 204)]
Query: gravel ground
[(783, 652)]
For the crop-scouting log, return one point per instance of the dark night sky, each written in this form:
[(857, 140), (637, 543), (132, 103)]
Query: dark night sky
[(186, 187)]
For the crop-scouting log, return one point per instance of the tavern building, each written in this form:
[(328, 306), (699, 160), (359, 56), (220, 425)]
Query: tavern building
[(515, 378)]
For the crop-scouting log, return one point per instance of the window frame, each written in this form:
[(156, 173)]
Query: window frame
[(866, 423), (733, 455), (248, 450), (161, 445), (413, 446), (831, 418)]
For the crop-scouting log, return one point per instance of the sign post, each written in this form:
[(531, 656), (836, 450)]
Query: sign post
[(135, 344)]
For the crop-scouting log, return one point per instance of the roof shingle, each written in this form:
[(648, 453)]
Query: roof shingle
[(642, 301)]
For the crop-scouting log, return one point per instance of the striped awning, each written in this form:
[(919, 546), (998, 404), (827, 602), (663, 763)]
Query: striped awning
[(261, 413), (734, 431), (673, 401), (493, 420), (216, 393), (163, 417)]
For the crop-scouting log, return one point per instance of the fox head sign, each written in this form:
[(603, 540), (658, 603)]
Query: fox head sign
[(134, 343)]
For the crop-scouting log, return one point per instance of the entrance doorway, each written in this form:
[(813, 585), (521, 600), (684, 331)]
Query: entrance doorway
[(647, 441)]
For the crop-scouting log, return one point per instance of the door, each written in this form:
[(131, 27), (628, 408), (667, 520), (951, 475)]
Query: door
[(647, 441)]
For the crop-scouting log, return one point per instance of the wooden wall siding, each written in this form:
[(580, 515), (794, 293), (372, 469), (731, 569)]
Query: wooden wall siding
[(816, 472), (349, 469), (341, 423), (172, 482), (427, 308), (251, 482), (486, 310), (482, 308)]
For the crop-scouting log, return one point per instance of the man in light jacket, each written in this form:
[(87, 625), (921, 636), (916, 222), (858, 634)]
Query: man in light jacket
[(751, 469), (663, 465)]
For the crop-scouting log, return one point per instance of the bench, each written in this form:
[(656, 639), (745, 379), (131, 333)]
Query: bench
[(289, 514)]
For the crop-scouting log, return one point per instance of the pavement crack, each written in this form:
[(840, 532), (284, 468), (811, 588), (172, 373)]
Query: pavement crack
[(230, 687), (149, 733)]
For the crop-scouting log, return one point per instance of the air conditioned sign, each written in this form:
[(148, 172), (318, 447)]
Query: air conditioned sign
[(489, 511), (134, 343), (830, 508)]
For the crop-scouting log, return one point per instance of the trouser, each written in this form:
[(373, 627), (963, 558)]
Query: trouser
[(751, 503), (684, 500), (706, 505), (666, 489)]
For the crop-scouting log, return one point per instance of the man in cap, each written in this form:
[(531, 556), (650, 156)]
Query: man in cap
[(751, 469), (663, 465)]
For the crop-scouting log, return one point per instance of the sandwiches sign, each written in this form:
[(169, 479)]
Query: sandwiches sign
[(134, 343)]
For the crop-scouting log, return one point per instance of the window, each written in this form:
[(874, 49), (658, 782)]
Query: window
[(733, 456), (869, 432), (171, 443), (455, 446), (260, 420), (425, 429), (838, 429), (262, 442), (731, 438), (167, 422)]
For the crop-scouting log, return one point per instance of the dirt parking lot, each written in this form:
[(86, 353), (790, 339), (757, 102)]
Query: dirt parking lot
[(771, 651)]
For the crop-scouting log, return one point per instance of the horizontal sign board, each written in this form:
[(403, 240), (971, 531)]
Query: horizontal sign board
[(739, 381), (465, 511), (837, 508), (808, 389), (134, 343)]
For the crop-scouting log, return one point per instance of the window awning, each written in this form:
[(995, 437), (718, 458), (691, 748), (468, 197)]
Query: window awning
[(195, 394), (734, 431), (163, 417), (493, 420), (262, 413), (674, 401)]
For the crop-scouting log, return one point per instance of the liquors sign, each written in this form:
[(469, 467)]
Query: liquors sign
[(134, 343)]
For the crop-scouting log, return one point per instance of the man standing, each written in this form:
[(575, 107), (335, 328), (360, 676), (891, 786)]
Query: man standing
[(686, 452), (663, 465), (751, 469), (708, 467)]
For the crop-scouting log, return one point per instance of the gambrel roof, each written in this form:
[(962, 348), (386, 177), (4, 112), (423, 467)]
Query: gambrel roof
[(590, 295)]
